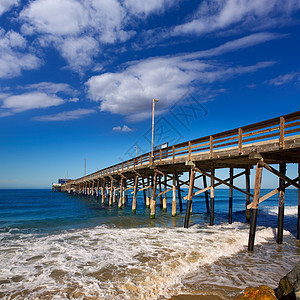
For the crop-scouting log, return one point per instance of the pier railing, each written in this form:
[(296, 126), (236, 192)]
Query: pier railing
[(276, 129)]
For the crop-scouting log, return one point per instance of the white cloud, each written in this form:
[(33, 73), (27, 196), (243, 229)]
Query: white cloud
[(57, 17), (130, 91), (215, 15), (79, 52), (19, 103), (51, 88), (284, 79), (66, 115), (123, 128), (13, 60), (238, 44), (144, 8), (6, 5), (77, 29)]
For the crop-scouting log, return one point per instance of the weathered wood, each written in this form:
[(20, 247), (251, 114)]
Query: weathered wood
[(224, 182), (143, 189), (190, 198), (282, 176), (248, 201), (272, 193), (111, 191), (179, 193), (216, 184), (134, 194), (212, 198), (281, 135), (165, 194), (257, 184), (174, 203), (211, 147), (148, 193), (160, 195), (240, 140), (230, 195), (206, 194), (121, 193), (153, 197), (282, 170)]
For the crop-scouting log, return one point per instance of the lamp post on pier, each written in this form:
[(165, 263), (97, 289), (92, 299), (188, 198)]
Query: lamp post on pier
[(153, 106)]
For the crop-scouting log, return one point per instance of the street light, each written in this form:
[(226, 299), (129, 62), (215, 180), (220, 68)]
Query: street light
[(135, 151), (84, 166), (154, 100)]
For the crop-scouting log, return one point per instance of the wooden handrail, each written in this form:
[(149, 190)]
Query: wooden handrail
[(276, 127)]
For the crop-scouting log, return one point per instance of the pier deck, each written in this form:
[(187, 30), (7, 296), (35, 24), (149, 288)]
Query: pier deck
[(259, 145)]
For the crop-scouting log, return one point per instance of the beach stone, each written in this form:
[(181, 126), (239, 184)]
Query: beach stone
[(262, 292), (289, 285)]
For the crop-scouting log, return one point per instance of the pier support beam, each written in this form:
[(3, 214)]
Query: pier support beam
[(179, 193), (248, 201), (111, 191), (174, 203), (230, 195), (206, 194), (256, 194), (282, 170), (144, 191), (165, 195), (212, 198), (160, 196), (153, 197), (136, 178), (121, 193), (190, 198), (148, 194)]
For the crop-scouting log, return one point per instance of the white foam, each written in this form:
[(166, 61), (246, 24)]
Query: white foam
[(143, 263), (288, 210)]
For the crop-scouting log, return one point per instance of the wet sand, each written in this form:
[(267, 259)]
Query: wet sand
[(196, 297)]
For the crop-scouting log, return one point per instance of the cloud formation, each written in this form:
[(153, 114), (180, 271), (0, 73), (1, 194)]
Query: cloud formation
[(13, 59), (66, 115), (284, 79), (19, 103), (36, 96), (130, 91), (6, 5), (123, 128), (213, 15)]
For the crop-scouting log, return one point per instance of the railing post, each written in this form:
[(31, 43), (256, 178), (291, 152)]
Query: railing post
[(281, 136), (173, 153), (240, 140), (190, 150), (160, 155), (211, 146)]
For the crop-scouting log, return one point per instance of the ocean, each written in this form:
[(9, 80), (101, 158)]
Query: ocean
[(59, 246)]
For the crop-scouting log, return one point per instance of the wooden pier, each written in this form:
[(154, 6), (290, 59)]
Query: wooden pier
[(254, 147)]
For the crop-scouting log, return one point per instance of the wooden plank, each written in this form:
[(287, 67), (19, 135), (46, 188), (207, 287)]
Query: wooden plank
[(224, 182), (240, 140), (258, 177), (272, 193), (281, 136), (162, 193), (282, 176), (217, 184), (190, 197)]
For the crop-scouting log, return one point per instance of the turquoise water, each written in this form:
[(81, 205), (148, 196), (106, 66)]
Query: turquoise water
[(60, 246)]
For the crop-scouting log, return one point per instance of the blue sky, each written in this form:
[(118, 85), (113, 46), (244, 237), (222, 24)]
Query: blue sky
[(77, 78)]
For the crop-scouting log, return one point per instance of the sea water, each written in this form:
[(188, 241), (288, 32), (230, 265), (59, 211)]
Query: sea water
[(59, 246)]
